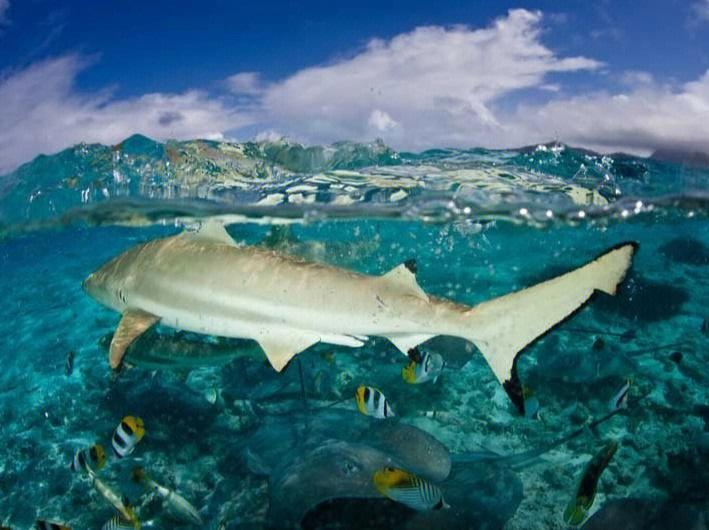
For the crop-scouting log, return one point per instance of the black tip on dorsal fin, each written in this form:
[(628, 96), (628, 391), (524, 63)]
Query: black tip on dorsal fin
[(412, 265), (415, 355)]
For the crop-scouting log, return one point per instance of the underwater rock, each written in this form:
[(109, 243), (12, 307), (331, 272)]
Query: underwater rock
[(686, 250)]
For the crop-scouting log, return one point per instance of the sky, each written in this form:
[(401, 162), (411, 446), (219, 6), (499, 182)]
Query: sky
[(609, 76)]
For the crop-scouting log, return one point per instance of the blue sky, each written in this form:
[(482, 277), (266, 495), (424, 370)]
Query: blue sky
[(606, 75)]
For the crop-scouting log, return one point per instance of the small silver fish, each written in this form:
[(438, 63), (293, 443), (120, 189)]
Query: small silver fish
[(371, 402), (427, 369), (620, 398), (69, 367), (175, 503), (41, 524)]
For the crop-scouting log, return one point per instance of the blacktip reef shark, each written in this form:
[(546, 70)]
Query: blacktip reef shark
[(202, 281)]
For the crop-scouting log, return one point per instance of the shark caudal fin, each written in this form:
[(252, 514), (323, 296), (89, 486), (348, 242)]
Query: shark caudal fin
[(502, 327)]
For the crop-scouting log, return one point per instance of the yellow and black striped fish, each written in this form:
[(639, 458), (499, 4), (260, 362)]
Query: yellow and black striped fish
[(119, 523), (408, 489), (93, 458), (127, 435), (427, 368), (371, 402), (41, 524)]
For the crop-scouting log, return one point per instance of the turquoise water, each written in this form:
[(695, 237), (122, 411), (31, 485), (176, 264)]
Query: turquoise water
[(252, 448)]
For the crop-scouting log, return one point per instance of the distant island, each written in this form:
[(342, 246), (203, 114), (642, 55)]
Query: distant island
[(681, 156)]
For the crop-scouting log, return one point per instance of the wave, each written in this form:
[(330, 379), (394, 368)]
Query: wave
[(141, 181)]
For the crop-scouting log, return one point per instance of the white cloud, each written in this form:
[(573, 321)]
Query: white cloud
[(437, 82), (245, 83), (638, 121), (431, 87), (381, 121), (43, 112)]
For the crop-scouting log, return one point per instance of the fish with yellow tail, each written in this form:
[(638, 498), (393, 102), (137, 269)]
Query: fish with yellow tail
[(580, 503), (423, 367), (127, 435), (112, 497), (371, 402), (401, 486), (117, 522), (41, 524), (203, 281), (175, 504), (93, 458)]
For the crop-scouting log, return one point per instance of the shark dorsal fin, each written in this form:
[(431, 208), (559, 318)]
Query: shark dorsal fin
[(403, 278), (211, 230)]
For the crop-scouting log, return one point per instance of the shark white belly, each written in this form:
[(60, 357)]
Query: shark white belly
[(204, 282)]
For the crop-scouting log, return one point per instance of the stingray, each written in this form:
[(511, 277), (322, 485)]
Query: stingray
[(579, 365), (649, 514), (686, 250), (325, 463)]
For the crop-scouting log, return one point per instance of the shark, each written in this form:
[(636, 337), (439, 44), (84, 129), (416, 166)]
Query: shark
[(201, 280)]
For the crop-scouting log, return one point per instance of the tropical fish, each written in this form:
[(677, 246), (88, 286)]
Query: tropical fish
[(371, 402), (119, 523), (69, 366), (203, 281), (41, 524), (177, 505), (586, 492), (127, 435), (428, 368), (620, 397), (93, 458), (408, 489)]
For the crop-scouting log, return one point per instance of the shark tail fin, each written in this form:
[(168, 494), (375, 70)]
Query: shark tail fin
[(502, 327)]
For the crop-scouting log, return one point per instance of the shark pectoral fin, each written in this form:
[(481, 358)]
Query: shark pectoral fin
[(280, 345), (131, 326), (403, 280), (211, 230), (502, 327), (407, 342)]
